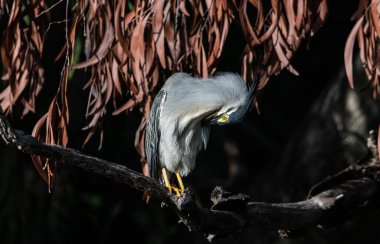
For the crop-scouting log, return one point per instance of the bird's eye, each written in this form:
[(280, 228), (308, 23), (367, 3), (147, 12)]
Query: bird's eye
[(223, 118)]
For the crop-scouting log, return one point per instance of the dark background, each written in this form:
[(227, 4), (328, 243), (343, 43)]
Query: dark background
[(310, 126)]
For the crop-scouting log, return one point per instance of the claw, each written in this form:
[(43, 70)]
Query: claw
[(177, 191)]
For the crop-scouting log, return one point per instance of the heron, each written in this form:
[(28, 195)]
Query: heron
[(179, 122)]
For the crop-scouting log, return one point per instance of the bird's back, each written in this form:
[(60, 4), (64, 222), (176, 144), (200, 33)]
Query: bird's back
[(153, 134), (175, 132)]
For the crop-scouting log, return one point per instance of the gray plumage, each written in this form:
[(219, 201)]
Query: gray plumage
[(181, 114)]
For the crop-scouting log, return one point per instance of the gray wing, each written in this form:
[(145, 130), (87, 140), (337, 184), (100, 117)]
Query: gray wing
[(152, 135)]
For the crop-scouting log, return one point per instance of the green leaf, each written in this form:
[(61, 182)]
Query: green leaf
[(77, 53), (131, 7)]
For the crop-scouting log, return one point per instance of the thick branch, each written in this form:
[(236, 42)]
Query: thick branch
[(353, 191)]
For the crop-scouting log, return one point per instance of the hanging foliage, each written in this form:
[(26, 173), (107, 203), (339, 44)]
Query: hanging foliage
[(131, 46), (276, 33), (367, 34), (21, 51)]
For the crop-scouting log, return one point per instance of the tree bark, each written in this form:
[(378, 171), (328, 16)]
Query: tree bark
[(351, 192)]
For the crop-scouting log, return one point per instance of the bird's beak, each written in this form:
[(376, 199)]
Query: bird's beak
[(210, 119), (216, 119), (223, 118)]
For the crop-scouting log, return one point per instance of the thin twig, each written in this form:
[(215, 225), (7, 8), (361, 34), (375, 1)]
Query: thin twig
[(67, 59), (54, 23), (47, 10)]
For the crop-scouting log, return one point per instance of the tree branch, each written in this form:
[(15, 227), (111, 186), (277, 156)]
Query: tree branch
[(352, 191)]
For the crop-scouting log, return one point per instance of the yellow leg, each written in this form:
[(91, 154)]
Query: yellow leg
[(168, 185), (179, 178), (166, 179)]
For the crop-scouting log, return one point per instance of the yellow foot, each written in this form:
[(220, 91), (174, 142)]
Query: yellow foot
[(177, 191), (171, 188)]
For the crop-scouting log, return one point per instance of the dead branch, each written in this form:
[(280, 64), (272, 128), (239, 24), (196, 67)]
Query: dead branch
[(349, 193)]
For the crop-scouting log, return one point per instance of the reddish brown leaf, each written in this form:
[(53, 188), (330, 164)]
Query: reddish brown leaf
[(115, 76), (375, 16), (118, 28), (36, 159), (158, 29), (102, 50), (182, 7), (348, 52), (126, 106), (278, 48)]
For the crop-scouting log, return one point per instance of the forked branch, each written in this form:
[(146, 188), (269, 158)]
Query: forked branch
[(351, 192)]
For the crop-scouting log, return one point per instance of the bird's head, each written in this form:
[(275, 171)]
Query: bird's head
[(234, 112)]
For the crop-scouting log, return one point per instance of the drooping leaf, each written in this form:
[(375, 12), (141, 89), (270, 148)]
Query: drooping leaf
[(348, 52)]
